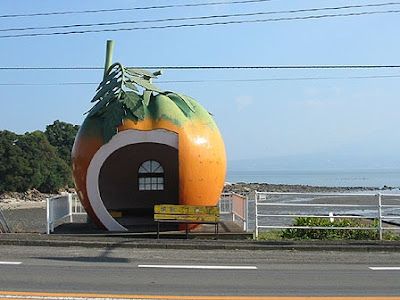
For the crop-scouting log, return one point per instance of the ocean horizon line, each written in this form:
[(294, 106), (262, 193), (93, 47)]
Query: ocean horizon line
[(330, 178)]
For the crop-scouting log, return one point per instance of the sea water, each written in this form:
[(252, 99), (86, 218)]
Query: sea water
[(385, 180), (331, 178)]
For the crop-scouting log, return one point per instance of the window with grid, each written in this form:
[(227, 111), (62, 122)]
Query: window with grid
[(151, 176)]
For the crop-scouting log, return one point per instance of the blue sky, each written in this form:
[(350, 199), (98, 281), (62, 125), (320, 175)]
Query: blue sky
[(281, 112)]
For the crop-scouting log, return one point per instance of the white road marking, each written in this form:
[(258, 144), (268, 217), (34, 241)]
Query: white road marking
[(10, 262), (385, 268), (199, 267)]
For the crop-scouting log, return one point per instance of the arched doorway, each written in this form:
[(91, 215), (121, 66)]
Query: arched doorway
[(136, 177), (129, 175)]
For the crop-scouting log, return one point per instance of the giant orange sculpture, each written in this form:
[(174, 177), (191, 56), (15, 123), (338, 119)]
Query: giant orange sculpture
[(138, 148)]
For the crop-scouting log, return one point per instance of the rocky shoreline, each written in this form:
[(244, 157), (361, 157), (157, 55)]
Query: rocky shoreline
[(26, 200), (248, 188), (30, 195)]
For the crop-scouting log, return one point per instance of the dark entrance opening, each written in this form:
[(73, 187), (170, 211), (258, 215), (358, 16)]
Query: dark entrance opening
[(136, 177)]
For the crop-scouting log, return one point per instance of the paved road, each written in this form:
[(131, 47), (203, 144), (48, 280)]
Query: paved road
[(138, 272)]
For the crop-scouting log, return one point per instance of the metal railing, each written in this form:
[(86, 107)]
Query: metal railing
[(77, 207), (60, 207), (236, 206), (282, 208)]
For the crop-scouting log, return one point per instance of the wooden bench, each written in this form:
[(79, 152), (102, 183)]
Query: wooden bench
[(186, 214)]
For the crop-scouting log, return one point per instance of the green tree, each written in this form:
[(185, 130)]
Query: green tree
[(62, 135), (14, 167), (30, 161), (49, 172)]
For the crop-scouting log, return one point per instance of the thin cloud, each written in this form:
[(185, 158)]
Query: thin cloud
[(313, 102), (243, 101)]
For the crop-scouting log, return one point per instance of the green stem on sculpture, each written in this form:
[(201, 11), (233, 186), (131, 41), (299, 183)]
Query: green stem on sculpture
[(109, 55)]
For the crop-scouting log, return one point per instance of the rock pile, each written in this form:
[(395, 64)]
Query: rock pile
[(30, 195)]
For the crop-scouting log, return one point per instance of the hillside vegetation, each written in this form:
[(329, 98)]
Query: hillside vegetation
[(37, 160)]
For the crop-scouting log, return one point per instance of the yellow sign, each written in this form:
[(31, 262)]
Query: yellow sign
[(186, 209), (188, 218)]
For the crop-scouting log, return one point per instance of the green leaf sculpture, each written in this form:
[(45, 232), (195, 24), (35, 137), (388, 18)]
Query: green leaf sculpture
[(118, 97)]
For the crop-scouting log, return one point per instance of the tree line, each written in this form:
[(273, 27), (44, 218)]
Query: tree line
[(37, 160)]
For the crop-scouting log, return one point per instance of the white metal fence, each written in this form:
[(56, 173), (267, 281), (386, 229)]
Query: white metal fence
[(274, 210), (60, 207), (236, 206), (77, 207)]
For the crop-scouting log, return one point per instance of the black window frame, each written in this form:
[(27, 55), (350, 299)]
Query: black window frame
[(150, 176)]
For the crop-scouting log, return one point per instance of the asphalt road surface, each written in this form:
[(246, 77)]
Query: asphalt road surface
[(190, 273)]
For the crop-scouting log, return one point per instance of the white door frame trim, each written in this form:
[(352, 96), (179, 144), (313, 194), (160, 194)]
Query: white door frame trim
[(122, 139)]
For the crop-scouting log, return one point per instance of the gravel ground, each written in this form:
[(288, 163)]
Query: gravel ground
[(26, 220)]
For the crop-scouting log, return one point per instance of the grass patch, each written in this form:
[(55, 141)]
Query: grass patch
[(270, 235), (332, 231)]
